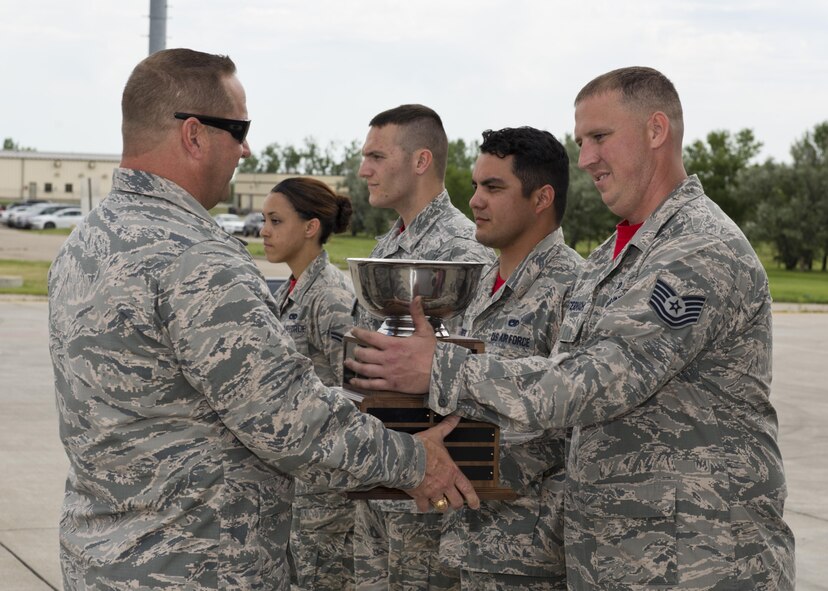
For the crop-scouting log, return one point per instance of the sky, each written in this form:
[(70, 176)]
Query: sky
[(324, 68)]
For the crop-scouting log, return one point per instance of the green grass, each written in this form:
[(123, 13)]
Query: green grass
[(786, 286), (339, 248), (33, 273), (801, 287), (64, 231)]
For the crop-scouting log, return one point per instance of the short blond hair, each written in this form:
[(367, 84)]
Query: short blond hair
[(641, 88), (169, 81)]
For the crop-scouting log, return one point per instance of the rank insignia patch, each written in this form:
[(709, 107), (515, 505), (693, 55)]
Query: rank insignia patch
[(676, 311)]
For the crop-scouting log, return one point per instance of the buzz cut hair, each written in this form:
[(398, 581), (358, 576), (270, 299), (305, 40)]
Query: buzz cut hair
[(421, 128), (641, 88)]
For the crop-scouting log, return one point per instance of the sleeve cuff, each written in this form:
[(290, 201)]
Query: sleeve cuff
[(446, 377)]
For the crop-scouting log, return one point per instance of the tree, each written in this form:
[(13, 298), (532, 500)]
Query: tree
[(461, 159), (777, 217), (810, 164), (791, 202), (310, 159), (249, 164), (718, 164), (365, 219), (586, 219), (10, 144)]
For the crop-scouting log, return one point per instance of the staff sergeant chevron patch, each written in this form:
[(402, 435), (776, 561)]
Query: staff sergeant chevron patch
[(676, 311)]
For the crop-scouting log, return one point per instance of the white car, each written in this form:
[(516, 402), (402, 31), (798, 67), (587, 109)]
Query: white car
[(11, 208), (63, 218), (17, 214), (24, 219), (230, 223)]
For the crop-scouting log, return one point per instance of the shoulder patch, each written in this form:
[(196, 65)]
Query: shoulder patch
[(674, 310)]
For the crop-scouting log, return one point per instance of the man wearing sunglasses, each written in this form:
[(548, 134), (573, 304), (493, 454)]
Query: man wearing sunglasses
[(185, 409)]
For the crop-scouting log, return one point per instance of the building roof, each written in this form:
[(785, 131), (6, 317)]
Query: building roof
[(33, 155)]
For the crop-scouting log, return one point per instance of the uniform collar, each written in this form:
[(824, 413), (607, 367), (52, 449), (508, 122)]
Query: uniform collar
[(309, 275), (526, 273), (129, 180), (421, 224), (687, 190)]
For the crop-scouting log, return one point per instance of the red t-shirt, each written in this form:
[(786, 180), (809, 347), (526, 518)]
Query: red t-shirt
[(499, 281), (624, 235)]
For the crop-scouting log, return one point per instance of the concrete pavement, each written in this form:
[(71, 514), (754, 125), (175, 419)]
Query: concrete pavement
[(33, 465)]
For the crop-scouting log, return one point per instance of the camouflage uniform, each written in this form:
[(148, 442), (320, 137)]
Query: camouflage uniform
[(674, 477), (519, 540), (183, 404), (317, 313), (396, 546)]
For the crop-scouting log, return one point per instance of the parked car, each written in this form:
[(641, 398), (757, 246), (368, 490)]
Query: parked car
[(11, 207), (15, 219), (253, 223), (24, 220), (62, 218), (230, 222)]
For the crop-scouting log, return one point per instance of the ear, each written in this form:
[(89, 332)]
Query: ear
[(658, 128), (422, 160), (193, 137), (312, 227), (544, 198)]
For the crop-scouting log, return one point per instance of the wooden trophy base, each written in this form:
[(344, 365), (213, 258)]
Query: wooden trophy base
[(474, 446)]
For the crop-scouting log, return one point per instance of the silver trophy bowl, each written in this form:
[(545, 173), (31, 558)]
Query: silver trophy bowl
[(386, 287)]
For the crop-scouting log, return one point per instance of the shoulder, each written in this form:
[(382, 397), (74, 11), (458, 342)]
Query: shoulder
[(700, 227), (330, 289)]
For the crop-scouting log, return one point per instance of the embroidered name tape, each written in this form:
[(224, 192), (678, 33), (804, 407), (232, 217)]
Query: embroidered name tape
[(674, 310)]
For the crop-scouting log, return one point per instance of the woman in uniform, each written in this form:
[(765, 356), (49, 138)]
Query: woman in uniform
[(315, 307)]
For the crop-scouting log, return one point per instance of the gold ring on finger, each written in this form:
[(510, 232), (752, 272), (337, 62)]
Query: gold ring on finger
[(440, 504)]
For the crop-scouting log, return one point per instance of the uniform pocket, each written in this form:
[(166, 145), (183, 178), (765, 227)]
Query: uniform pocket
[(634, 526), (570, 328)]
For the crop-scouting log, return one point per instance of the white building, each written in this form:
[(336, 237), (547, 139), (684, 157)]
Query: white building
[(57, 176), (87, 178), (251, 188)]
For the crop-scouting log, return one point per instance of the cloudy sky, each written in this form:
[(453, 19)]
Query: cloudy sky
[(323, 68)]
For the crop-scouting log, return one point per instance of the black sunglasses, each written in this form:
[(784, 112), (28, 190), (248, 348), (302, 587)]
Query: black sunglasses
[(235, 127)]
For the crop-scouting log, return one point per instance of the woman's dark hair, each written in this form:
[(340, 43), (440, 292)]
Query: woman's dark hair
[(314, 199)]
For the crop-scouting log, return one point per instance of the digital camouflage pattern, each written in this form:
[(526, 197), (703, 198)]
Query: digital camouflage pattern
[(674, 476), (183, 404), (440, 232), (522, 538), (317, 313)]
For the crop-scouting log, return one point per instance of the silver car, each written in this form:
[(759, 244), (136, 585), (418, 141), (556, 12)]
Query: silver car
[(62, 218)]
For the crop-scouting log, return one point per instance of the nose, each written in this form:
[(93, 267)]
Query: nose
[(476, 201), (363, 171), (265, 230), (587, 156), (245, 149)]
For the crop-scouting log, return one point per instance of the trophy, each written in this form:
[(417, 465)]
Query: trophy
[(385, 289)]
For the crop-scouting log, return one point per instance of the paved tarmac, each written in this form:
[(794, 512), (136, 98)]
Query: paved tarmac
[(33, 465), (24, 245)]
